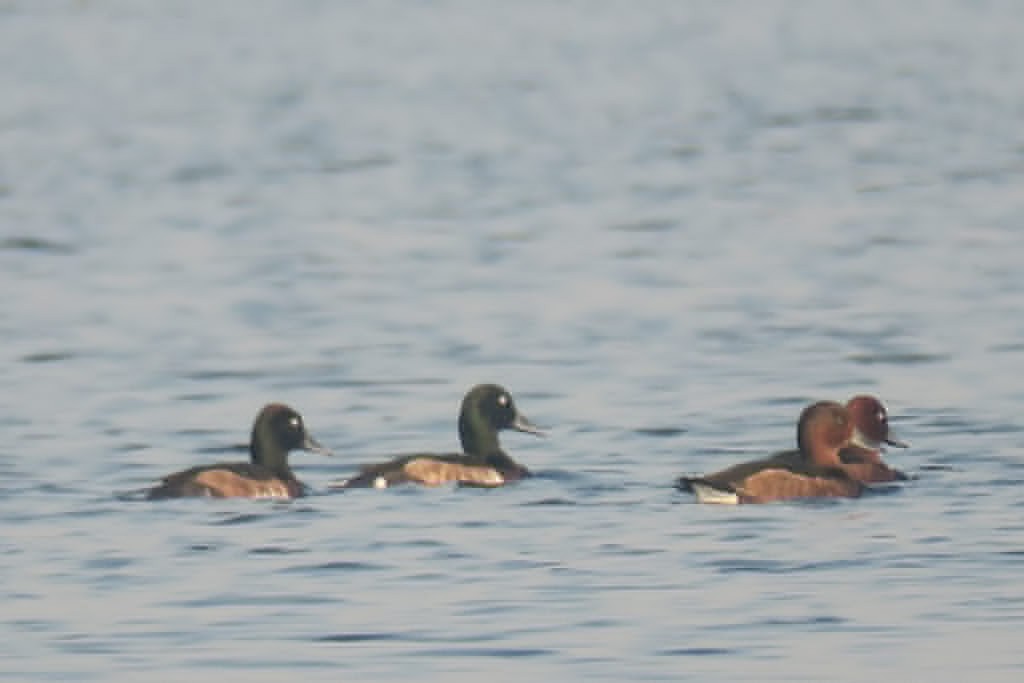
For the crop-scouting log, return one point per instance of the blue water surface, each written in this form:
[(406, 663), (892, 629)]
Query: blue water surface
[(664, 226)]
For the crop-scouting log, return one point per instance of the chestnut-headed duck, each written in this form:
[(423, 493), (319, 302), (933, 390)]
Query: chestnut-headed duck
[(862, 458), (486, 410), (277, 430), (812, 471)]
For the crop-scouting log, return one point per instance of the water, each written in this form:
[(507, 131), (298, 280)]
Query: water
[(663, 226)]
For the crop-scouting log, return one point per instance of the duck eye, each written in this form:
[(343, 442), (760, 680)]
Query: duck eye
[(880, 416), (295, 422), (503, 400)]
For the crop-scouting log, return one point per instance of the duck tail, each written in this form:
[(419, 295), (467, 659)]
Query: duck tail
[(685, 484), (136, 494)]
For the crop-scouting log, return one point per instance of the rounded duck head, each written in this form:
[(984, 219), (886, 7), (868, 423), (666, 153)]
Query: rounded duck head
[(277, 430), (823, 429), (486, 410), (871, 424)]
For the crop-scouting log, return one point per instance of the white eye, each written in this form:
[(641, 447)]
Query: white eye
[(295, 422), (503, 400), (880, 416)]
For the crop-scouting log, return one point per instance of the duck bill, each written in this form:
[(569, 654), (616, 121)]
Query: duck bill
[(311, 445), (521, 424)]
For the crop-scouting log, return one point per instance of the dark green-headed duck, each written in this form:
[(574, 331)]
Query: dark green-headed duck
[(812, 471), (277, 430), (486, 410), (862, 458)]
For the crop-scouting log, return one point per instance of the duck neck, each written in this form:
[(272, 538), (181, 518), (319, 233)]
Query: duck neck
[(862, 441), (477, 437), (818, 451), (272, 459), (266, 453)]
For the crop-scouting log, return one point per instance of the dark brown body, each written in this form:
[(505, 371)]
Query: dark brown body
[(229, 480), (277, 430), (814, 470), (867, 466), (436, 469), (486, 410), (864, 465)]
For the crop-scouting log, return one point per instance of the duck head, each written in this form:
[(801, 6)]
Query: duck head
[(277, 431), (486, 410), (871, 424), (823, 429)]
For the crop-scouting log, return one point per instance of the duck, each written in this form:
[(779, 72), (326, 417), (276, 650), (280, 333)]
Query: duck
[(812, 471), (277, 430), (486, 410), (862, 457)]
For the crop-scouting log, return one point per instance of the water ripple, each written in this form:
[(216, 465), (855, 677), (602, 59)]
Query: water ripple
[(35, 244), (357, 637), (700, 652), (335, 566)]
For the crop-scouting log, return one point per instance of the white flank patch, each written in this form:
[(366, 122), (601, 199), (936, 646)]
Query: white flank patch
[(271, 491), (709, 494), (493, 478)]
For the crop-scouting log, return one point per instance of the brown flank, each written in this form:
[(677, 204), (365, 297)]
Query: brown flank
[(436, 472), (777, 484), (219, 483)]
